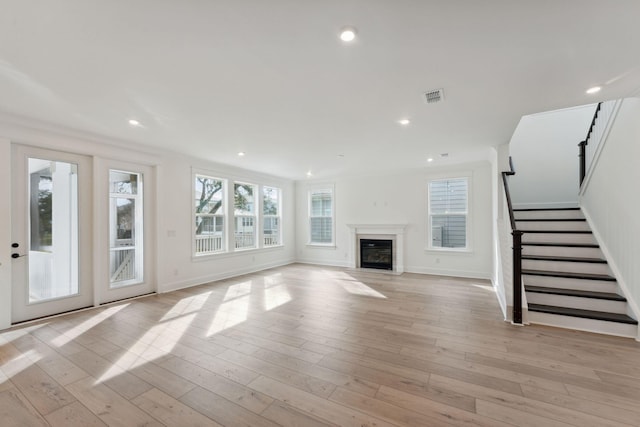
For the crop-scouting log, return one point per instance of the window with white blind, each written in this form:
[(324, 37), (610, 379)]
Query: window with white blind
[(271, 216), (321, 221), (448, 213)]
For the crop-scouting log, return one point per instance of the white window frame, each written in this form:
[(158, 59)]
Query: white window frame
[(223, 215), (467, 214), (278, 217), (256, 223), (323, 189)]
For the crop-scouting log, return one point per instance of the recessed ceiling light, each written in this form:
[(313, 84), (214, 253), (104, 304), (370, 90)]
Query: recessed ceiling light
[(430, 160), (134, 122), (309, 173), (241, 153), (404, 122), (594, 89), (348, 34)]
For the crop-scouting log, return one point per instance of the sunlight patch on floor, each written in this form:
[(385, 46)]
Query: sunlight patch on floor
[(229, 314), (486, 287), (359, 288), (157, 342), (273, 280), (187, 305), (18, 364), (83, 327), (276, 296), (238, 290)]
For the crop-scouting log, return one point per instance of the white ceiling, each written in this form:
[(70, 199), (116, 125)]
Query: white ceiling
[(211, 78)]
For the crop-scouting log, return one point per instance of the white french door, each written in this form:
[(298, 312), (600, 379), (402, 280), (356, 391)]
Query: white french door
[(51, 232), (129, 240)]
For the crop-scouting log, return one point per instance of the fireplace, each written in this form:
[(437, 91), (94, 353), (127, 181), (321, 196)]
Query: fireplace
[(376, 253)]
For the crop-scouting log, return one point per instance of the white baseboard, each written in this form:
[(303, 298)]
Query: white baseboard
[(183, 284)]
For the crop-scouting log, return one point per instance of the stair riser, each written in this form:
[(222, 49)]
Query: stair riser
[(559, 237), (590, 325), (562, 251), (567, 283), (566, 267), (548, 214), (552, 225), (577, 302)]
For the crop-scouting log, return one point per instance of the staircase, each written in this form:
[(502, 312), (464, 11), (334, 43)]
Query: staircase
[(567, 281)]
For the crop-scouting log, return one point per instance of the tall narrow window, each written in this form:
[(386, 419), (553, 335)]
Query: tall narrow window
[(126, 228), (245, 215), (209, 215), (321, 217), (448, 201), (271, 216)]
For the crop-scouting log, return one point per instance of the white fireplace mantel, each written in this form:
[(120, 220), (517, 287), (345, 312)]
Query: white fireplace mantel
[(394, 231)]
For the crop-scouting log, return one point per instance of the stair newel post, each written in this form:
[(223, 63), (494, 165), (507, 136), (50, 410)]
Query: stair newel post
[(517, 277), (583, 159)]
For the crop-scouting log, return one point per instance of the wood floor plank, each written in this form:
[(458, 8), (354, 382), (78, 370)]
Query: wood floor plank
[(435, 411), (308, 383), (16, 411), (44, 393), (314, 346), (526, 405), (222, 410), (307, 402), (108, 405), (74, 415), (287, 415), (232, 391), (169, 411)]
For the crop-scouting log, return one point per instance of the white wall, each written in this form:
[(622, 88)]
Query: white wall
[(5, 234), (611, 199), (174, 265), (544, 148), (401, 198)]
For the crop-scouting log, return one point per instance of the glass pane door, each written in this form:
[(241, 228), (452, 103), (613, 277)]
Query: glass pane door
[(51, 234), (53, 229), (126, 228)]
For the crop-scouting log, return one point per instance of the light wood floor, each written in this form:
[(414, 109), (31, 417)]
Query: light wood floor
[(313, 346)]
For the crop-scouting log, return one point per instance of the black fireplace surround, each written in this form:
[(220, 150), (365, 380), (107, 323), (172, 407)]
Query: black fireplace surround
[(376, 253)]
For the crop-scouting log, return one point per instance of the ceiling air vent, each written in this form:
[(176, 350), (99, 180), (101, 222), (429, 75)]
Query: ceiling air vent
[(434, 96)]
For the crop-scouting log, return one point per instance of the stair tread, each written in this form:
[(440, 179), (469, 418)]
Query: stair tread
[(569, 245), (546, 209), (610, 296), (587, 276), (559, 231), (564, 259), (550, 219), (588, 314)]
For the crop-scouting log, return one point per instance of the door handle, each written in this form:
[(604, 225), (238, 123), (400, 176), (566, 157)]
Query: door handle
[(14, 255)]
